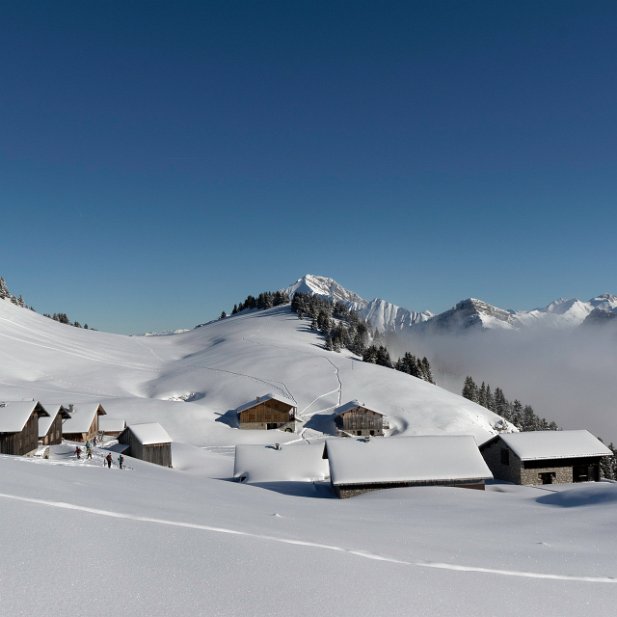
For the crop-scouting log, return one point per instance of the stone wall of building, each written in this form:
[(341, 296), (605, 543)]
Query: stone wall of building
[(492, 454), (563, 474)]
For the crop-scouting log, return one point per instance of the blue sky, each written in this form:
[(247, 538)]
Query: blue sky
[(161, 160)]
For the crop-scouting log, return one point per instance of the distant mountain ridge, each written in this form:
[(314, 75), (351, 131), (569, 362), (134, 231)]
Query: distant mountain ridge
[(380, 314), (384, 316)]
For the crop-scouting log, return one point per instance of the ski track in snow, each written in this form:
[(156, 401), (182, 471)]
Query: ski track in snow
[(308, 544), (337, 372), (273, 384)]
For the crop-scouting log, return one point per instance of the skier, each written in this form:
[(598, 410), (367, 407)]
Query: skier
[(78, 452), (108, 459), (120, 460), (88, 451)]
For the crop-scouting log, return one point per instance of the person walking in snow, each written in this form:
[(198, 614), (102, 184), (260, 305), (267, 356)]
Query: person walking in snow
[(88, 450), (108, 459), (120, 460), (78, 452)]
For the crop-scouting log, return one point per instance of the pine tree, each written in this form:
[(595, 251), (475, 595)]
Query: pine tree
[(482, 395), (470, 389), (427, 375), (370, 354)]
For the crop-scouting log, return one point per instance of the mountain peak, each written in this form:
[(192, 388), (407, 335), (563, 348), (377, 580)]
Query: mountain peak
[(323, 286), (380, 314)]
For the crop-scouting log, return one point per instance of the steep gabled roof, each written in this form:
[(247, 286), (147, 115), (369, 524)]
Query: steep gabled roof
[(53, 409), (423, 458), (82, 416), (15, 414), (149, 433), (352, 405), (541, 445), (266, 397)]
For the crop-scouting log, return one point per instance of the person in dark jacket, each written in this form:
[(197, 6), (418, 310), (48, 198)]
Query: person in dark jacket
[(108, 459)]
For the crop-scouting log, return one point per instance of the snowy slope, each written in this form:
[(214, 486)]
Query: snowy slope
[(218, 367), (80, 539)]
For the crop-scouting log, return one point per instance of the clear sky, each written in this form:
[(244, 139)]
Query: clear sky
[(161, 160)]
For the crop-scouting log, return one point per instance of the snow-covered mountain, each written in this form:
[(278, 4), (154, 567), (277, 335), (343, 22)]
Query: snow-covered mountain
[(217, 367), (384, 316), (182, 542), (380, 314)]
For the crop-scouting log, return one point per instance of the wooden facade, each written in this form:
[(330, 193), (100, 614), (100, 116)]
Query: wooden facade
[(26, 440), (54, 433), (267, 413), (358, 420), (157, 453), (87, 427)]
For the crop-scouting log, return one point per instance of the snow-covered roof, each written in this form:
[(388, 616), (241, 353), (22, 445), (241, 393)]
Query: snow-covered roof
[(298, 462), (150, 433), (536, 445), (266, 397), (109, 424), (405, 459), (53, 409), (15, 414), (81, 418), (352, 405)]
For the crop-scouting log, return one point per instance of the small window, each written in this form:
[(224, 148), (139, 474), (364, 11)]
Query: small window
[(505, 456)]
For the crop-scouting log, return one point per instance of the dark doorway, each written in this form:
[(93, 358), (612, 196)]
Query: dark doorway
[(547, 477)]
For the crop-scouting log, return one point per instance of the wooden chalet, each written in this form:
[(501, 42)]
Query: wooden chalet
[(270, 411), (355, 418), (83, 425), (148, 442), (50, 427), (19, 426), (361, 465), (545, 457)]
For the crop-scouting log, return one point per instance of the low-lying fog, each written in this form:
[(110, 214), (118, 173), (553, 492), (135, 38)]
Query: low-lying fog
[(569, 376)]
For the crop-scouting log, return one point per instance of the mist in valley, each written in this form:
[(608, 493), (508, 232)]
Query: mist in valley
[(568, 376)]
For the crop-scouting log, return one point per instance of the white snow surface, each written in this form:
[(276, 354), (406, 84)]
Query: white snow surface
[(295, 463), (14, 415), (109, 424), (45, 422), (78, 538), (149, 433), (537, 445), (405, 459), (81, 419)]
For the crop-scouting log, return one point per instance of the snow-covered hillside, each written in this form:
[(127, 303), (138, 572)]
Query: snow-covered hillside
[(79, 538), (216, 368)]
